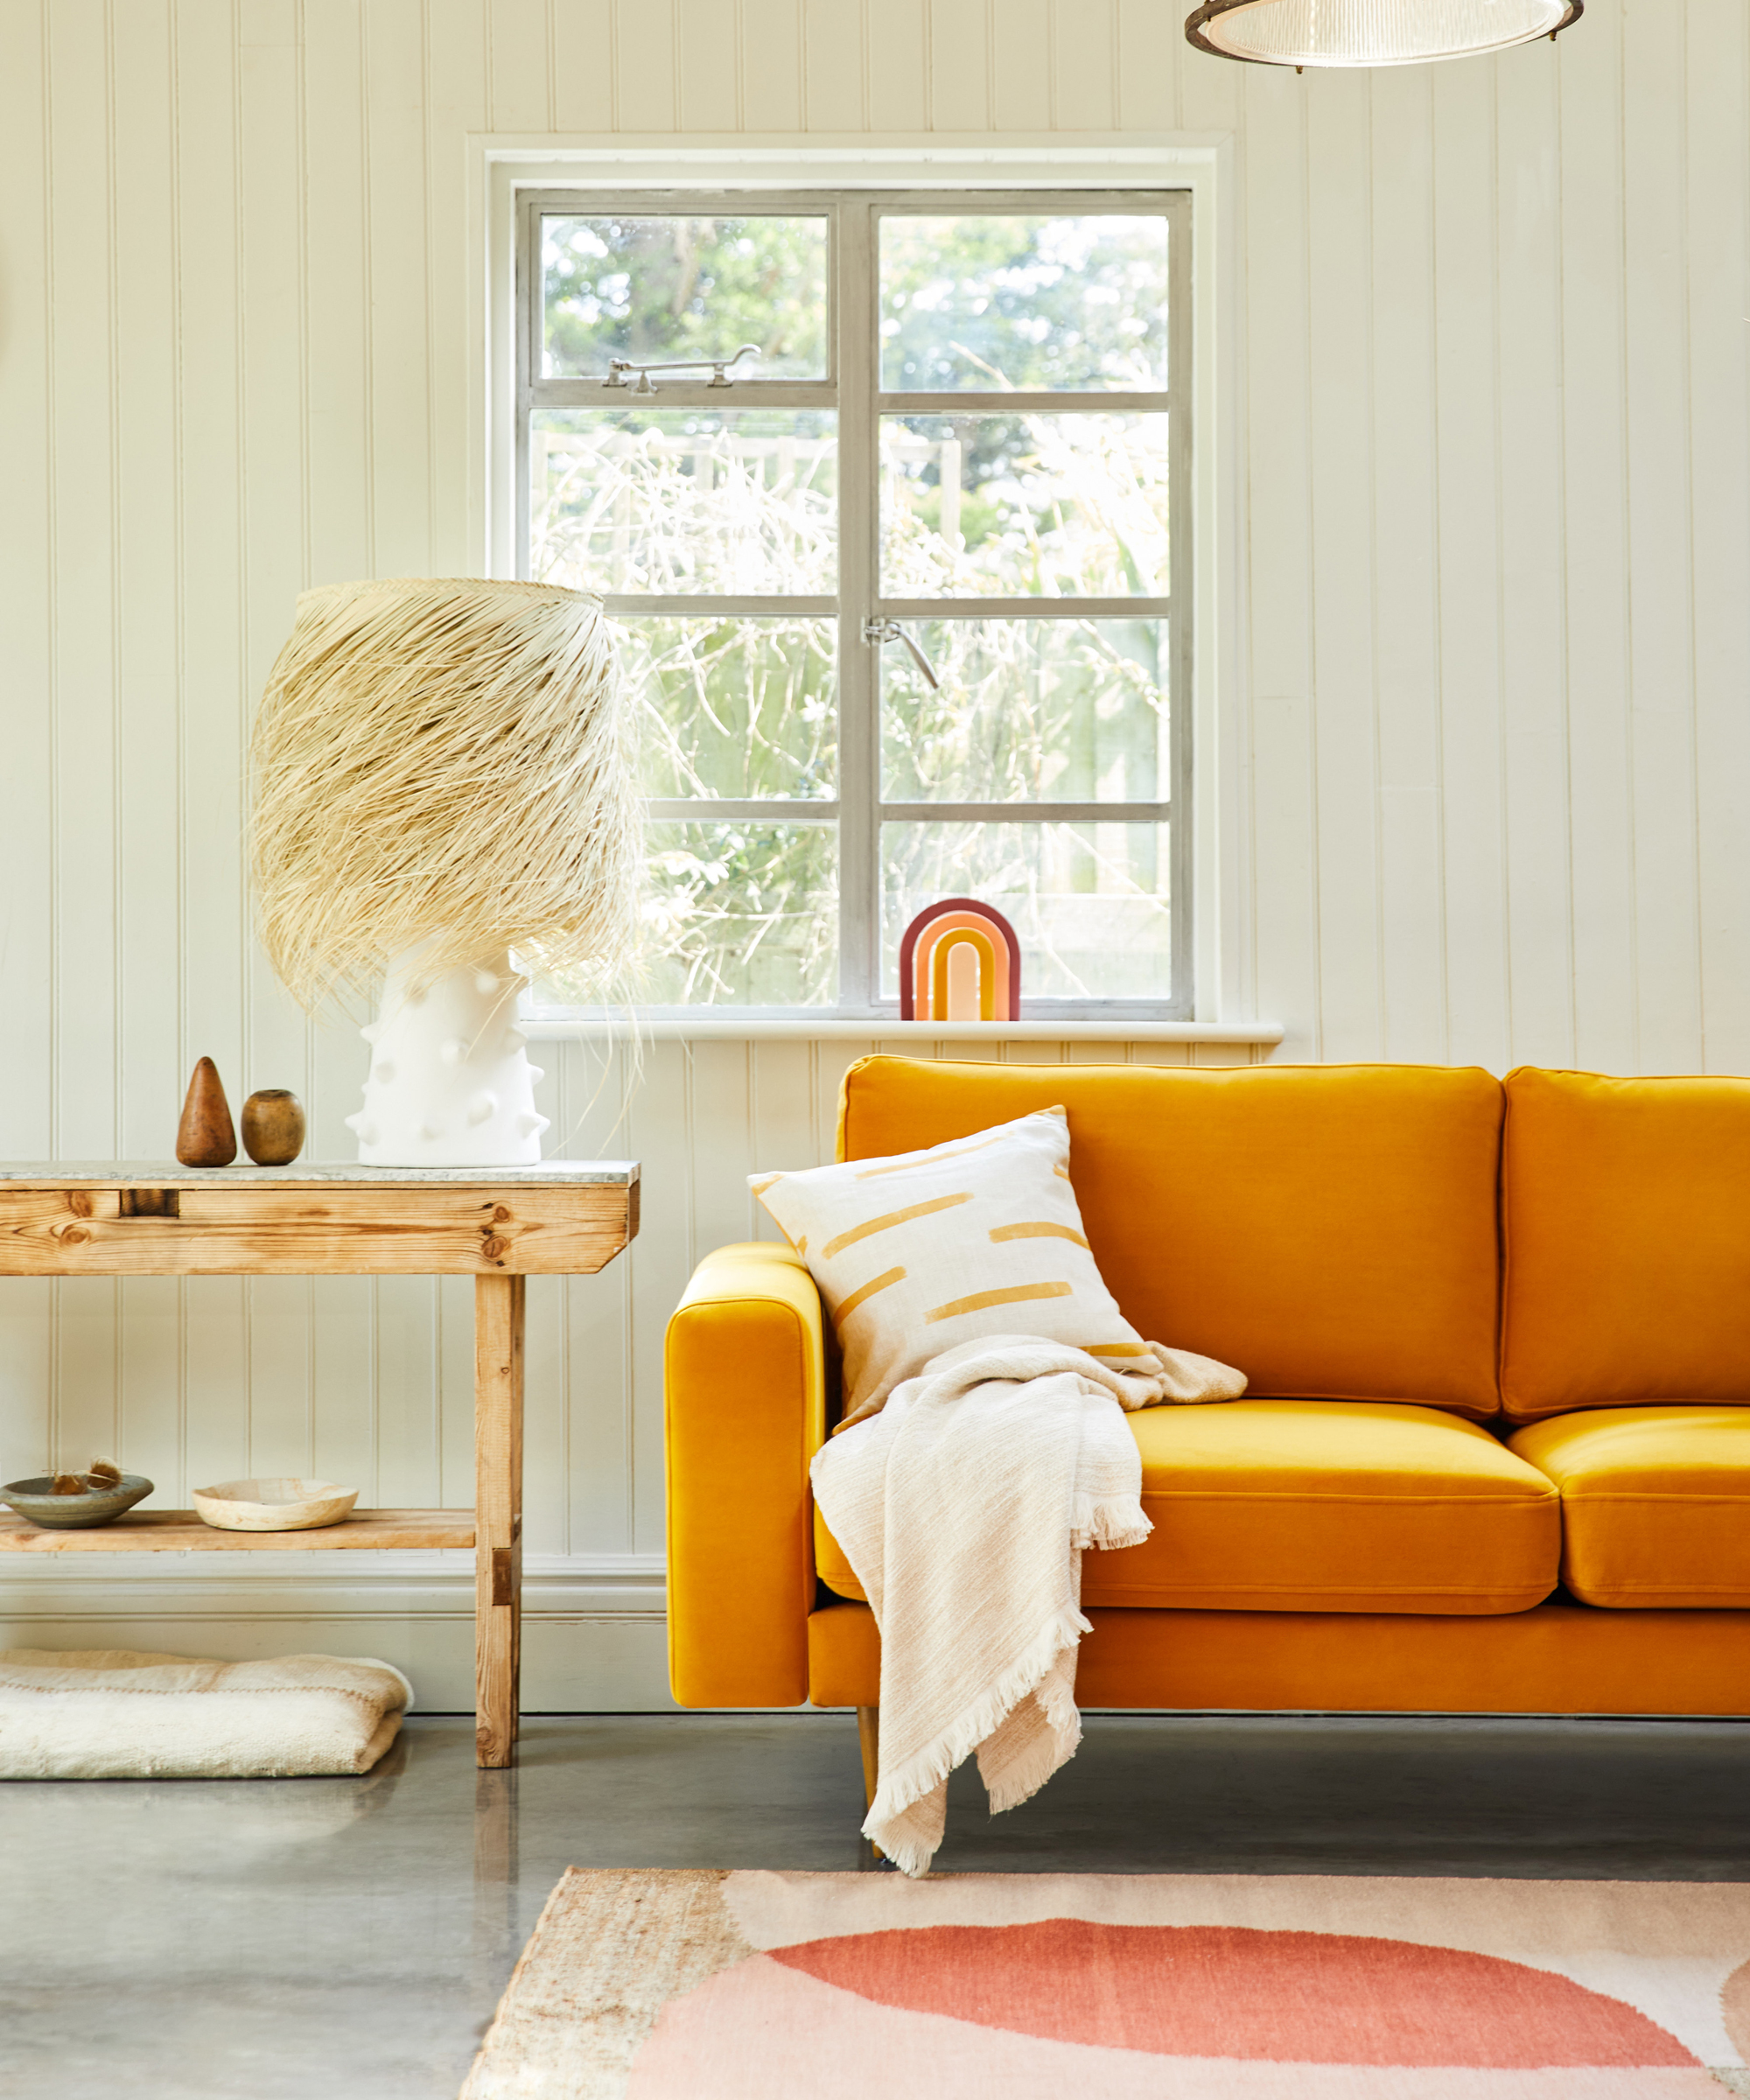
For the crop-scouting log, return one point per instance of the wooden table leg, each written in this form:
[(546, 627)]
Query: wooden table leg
[(498, 1514)]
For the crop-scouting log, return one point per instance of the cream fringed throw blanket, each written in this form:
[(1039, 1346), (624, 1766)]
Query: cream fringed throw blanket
[(964, 1506)]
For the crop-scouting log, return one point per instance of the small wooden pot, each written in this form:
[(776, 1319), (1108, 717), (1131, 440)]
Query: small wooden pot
[(273, 1127)]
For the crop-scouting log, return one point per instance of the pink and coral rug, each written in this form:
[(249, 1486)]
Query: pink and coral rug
[(764, 1986)]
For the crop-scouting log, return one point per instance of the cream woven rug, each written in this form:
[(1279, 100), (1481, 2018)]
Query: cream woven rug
[(114, 1713), (763, 1986)]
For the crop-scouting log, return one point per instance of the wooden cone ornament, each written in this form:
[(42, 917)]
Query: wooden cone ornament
[(206, 1136)]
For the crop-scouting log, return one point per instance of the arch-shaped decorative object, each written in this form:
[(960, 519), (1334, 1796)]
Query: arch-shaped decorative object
[(960, 961)]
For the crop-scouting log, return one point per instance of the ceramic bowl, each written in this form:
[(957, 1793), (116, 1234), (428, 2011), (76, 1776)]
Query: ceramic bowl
[(73, 1512), (279, 1505)]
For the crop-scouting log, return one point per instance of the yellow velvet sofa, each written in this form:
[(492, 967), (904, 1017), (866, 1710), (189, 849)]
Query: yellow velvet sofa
[(1495, 1456)]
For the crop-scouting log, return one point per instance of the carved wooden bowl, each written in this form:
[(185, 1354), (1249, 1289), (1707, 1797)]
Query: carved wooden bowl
[(274, 1505)]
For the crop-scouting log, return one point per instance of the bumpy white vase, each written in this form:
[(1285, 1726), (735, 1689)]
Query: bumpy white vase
[(450, 1082)]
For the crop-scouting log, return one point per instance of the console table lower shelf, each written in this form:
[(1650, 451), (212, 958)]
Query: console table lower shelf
[(499, 1225), (182, 1531)]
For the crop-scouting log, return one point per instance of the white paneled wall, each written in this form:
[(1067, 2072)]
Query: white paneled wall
[(1495, 714)]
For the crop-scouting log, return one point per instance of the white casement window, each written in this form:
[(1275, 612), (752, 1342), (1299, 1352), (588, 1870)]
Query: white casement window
[(889, 498)]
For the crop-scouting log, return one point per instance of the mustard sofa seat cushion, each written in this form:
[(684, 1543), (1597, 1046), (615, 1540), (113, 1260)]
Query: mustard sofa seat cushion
[(1317, 1506), (1330, 1230), (1656, 1503), (1627, 1243)]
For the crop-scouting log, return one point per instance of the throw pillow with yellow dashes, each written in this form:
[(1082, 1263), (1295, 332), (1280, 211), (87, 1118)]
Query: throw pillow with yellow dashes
[(915, 1253)]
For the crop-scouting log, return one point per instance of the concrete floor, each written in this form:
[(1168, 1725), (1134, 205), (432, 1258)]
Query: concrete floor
[(348, 1939)]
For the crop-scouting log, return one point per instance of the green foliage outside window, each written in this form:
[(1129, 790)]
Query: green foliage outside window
[(635, 499)]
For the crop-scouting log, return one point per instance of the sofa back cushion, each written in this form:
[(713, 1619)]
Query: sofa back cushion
[(1327, 1229), (1626, 1208)]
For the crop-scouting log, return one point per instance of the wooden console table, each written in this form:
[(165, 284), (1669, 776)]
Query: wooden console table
[(500, 1225)]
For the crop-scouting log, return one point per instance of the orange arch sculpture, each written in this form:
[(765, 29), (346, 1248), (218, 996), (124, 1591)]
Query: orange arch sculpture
[(960, 961)]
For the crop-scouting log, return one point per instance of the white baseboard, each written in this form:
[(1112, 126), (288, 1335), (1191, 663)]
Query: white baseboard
[(594, 1627)]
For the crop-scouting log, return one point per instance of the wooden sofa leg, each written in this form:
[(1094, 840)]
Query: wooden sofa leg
[(869, 1741)]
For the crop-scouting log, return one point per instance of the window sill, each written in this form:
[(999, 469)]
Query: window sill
[(718, 1026)]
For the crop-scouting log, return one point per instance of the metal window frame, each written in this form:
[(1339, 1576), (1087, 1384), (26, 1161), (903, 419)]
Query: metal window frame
[(851, 391)]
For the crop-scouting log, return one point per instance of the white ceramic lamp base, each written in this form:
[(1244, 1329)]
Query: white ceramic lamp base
[(450, 1083)]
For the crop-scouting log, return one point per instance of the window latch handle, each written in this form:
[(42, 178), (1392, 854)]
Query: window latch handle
[(876, 632), (620, 368)]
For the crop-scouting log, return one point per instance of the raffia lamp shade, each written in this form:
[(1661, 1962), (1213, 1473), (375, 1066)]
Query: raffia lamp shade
[(439, 780), (1371, 32)]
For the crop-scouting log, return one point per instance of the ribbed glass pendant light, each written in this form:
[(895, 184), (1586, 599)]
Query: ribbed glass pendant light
[(1371, 32)]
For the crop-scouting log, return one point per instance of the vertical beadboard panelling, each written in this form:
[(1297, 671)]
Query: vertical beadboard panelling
[(1211, 91), (455, 105), (959, 60), (148, 1367), (1595, 549), (546, 1509), (407, 1468), (1283, 829), (1339, 267), (1084, 64), (343, 1393), (645, 64), (211, 671), (769, 64), (785, 1129), (720, 1131), (27, 1328), (518, 60), (1151, 45), (1661, 654), (456, 1392), (833, 1060), (835, 41), (896, 64), (1718, 229), (283, 1332), (27, 605), (148, 807), (583, 83), (708, 51), (1406, 598), (1466, 350), (659, 1134), (338, 259), (1023, 75), (600, 1396), (396, 198), (1528, 266), (85, 528)]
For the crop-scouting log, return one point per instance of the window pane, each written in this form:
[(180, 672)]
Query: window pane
[(1060, 710), (1088, 901), (1019, 302), (740, 914), (737, 708), (1024, 505), (658, 289), (681, 499)]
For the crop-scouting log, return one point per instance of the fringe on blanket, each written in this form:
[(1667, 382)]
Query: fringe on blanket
[(919, 1776), (1116, 1521)]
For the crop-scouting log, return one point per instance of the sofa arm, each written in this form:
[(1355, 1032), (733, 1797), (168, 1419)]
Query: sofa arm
[(744, 1391)]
